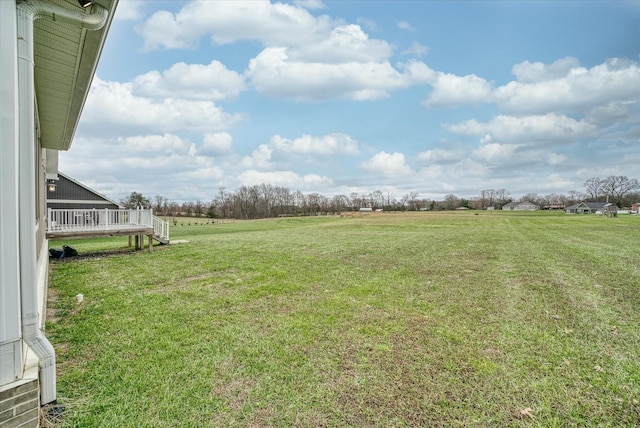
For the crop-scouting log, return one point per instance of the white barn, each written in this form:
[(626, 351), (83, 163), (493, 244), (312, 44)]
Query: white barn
[(49, 51)]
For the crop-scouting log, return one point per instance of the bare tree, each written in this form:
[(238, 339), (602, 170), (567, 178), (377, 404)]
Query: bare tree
[(595, 188), (160, 203), (487, 197), (451, 202), (198, 208), (502, 197), (617, 187)]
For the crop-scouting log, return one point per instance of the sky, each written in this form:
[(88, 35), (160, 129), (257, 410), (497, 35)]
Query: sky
[(343, 97)]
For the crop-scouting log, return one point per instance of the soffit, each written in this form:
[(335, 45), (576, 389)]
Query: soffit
[(65, 59)]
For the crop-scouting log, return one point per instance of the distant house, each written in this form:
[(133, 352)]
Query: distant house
[(71, 194), (586, 208), (520, 206)]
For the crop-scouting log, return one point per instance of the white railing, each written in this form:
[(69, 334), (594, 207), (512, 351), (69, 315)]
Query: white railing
[(80, 220), (161, 228)]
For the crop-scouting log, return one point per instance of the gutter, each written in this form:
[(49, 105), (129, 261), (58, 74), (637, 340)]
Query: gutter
[(27, 12)]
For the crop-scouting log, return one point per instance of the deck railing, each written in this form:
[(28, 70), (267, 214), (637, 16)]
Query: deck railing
[(79, 220)]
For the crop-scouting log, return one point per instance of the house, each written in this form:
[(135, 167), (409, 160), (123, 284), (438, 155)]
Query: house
[(67, 193), (585, 208), (49, 51), (520, 206)]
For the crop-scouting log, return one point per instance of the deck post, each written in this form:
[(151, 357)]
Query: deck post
[(150, 243)]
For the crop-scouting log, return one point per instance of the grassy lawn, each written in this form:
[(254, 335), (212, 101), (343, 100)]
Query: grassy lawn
[(384, 320)]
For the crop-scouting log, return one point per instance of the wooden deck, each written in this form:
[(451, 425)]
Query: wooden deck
[(78, 224), (132, 232)]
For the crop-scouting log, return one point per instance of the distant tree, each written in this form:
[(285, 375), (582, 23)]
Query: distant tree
[(575, 197), (198, 208), (339, 203), (617, 187), (136, 200), (595, 188), (487, 197), (211, 210), (534, 198), (160, 202), (502, 197), (451, 202)]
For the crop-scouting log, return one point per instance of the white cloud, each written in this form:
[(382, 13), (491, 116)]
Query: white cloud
[(218, 143), (111, 108), (166, 144), (565, 87), (326, 145), (310, 4), (450, 90), (191, 81), (273, 73), (441, 155), (540, 128), (305, 58), (527, 72), (431, 171), (494, 153), (388, 165), (274, 24), (129, 10), (260, 158), (345, 44), (416, 49), (404, 25), (139, 163), (289, 179), (557, 158)]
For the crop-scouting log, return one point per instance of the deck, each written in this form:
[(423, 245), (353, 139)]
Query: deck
[(88, 223)]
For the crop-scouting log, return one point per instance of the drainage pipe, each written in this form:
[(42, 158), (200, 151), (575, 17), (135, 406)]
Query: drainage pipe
[(27, 12)]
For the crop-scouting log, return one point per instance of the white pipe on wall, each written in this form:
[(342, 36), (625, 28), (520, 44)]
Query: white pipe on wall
[(27, 12)]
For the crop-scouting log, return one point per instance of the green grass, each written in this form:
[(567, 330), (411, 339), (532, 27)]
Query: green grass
[(387, 320)]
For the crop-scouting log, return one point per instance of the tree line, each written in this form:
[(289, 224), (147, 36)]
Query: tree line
[(267, 201)]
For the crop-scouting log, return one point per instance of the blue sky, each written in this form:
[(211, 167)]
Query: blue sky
[(337, 97)]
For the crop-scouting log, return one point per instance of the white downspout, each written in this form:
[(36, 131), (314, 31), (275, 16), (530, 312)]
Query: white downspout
[(27, 12)]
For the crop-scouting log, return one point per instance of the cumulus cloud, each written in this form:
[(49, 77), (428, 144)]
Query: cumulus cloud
[(129, 10), (273, 73), (441, 155), (404, 25), (527, 72), (344, 44), (274, 24), (289, 179), (564, 86), (191, 81), (540, 128), (450, 90), (260, 158), (388, 165), (167, 157), (219, 143), (310, 4), (416, 49), (326, 145), (112, 107), (305, 58), (494, 153)]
